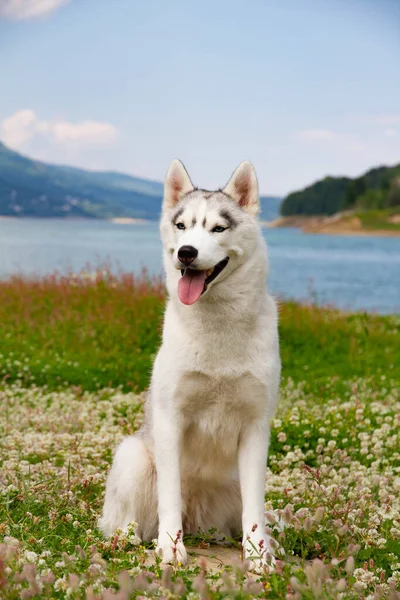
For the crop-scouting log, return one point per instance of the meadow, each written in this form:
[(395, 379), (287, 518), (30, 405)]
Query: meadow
[(75, 358)]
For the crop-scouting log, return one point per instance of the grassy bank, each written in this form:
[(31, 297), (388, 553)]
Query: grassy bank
[(385, 219), (385, 222), (332, 477), (100, 330)]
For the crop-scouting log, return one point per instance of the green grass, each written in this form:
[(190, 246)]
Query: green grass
[(104, 330), (87, 331), (379, 219), (76, 351)]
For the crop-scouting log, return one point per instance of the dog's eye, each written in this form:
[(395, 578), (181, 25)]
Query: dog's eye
[(218, 229), (180, 225)]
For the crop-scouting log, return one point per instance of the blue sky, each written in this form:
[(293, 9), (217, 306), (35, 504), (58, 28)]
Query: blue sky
[(303, 88)]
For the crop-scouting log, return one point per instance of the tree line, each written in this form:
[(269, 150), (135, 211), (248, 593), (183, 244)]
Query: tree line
[(378, 188)]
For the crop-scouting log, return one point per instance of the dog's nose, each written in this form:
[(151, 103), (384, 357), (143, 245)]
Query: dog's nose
[(187, 254)]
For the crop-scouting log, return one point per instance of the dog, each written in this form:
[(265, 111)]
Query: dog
[(199, 460)]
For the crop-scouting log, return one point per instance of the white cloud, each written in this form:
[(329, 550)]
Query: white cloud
[(28, 9), (87, 131), (388, 120), (18, 129), (24, 125), (390, 132), (350, 150), (330, 138), (387, 123)]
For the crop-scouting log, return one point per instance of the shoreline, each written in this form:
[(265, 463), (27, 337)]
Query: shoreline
[(342, 224), (127, 221), (336, 225), (117, 220)]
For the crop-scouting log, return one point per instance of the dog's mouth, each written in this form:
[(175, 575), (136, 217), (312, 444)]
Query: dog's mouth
[(194, 282)]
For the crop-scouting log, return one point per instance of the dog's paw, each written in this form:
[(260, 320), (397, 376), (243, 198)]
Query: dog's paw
[(171, 551), (259, 551)]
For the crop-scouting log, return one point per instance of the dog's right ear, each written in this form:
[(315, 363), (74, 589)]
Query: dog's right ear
[(177, 184)]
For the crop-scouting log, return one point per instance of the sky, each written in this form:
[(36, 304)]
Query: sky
[(302, 88)]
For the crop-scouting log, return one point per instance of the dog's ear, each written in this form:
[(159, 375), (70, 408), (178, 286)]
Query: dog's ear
[(177, 184), (243, 188)]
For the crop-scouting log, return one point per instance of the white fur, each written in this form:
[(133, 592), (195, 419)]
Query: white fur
[(199, 460)]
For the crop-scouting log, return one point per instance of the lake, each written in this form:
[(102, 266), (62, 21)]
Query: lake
[(356, 273)]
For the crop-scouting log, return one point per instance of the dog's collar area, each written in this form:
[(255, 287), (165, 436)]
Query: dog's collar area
[(211, 273)]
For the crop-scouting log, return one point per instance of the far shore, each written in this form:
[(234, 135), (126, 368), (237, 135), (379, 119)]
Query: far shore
[(340, 224), (127, 221), (118, 220)]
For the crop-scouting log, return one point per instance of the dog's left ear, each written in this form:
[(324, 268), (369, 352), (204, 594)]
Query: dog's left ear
[(243, 188), (177, 184)]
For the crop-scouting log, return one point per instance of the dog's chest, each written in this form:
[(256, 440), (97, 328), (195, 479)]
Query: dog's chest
[(214, 411), (200, 394), (217, 407)]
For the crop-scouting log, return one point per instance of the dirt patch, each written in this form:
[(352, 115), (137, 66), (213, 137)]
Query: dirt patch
[(340, 224), (213, 558), (333, 225)]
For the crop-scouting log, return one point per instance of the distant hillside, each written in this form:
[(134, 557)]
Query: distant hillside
[(378, 188), (36, 189), (270, 206), (32, 188)]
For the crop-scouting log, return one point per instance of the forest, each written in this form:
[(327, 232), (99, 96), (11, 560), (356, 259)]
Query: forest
[(377, 189)]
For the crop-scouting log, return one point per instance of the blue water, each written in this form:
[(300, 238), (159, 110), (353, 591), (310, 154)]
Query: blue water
[(356, 273)]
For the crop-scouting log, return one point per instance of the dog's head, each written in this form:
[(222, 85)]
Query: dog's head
[(207, 235)]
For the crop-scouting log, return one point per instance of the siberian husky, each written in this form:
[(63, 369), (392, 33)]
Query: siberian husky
[(199, 460)]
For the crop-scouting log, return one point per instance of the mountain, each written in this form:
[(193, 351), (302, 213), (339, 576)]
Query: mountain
[(36, 189), (33, 188), (270, 206), (378, 188)]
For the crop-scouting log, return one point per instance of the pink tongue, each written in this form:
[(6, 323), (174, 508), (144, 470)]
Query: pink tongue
[(191, 285)]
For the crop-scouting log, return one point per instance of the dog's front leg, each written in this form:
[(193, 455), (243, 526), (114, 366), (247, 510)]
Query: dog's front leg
[(167, 442), (253, 452)]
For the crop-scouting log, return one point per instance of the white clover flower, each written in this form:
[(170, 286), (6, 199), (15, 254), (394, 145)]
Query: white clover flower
[(60, 564), (68, 429), (60, 584), (30, 556)]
